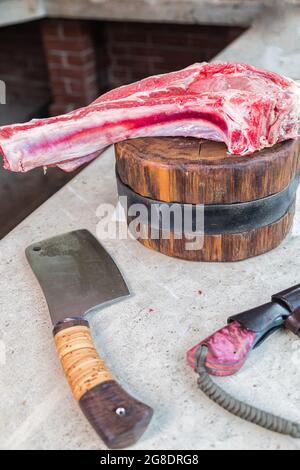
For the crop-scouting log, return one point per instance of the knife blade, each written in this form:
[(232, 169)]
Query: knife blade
[(77, 275)]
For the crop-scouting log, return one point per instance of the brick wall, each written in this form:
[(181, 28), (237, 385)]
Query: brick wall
[(79, 59), (136, 50), (73, 71), (87, 58), (22, 63)]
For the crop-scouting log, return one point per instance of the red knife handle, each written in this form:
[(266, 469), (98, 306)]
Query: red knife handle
[(117, 417), (227, 350)]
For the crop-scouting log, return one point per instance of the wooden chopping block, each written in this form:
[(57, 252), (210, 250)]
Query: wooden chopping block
[(249, 201)]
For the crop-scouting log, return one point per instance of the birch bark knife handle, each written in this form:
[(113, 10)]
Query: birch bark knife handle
[(117, 417)]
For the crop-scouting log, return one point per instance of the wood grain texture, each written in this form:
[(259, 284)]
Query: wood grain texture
[(83, 367), (119, 419), (227, 350), (197, 171), (223, 247)]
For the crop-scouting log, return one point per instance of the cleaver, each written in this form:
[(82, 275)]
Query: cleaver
[(76, 274)]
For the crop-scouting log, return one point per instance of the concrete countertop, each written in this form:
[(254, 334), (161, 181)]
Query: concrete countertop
[(217, 12), (19, 11), (144, 338)]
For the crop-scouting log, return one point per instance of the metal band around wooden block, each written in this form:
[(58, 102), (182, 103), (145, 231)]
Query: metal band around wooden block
[(83, 367), (226, 218)]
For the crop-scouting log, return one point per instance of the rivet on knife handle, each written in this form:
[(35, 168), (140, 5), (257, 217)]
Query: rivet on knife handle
[(117, 417)]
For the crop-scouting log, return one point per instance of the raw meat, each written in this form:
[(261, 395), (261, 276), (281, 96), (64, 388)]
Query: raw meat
[(245, 107)]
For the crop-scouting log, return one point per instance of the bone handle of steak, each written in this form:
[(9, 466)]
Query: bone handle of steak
[(117, 417)]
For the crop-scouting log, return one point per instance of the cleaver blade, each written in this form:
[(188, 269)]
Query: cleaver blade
[(76, 274)]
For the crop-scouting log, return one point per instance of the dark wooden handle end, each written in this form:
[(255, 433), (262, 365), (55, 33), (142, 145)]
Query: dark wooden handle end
[(117, 417)]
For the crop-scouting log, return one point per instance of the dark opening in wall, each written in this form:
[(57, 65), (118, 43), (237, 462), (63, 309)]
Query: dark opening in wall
[(23, 68), (137, 50)]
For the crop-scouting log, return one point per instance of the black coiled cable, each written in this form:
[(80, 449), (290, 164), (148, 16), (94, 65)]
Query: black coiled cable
[(237, 407)]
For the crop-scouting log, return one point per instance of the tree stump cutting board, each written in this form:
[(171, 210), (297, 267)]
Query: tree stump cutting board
[(249, 201)]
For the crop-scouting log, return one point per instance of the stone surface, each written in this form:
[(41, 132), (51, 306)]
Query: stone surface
[(144, 339), (18, 11), (224, 12)]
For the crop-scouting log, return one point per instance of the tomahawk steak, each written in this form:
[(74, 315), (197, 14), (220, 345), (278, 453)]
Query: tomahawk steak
[(245, 107)]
